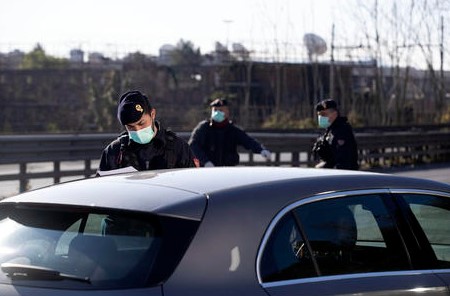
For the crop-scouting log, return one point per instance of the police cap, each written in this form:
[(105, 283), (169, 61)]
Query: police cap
[(326, 104), (132, 105), (219, 103)]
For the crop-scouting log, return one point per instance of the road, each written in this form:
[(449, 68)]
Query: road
[(437, 172)]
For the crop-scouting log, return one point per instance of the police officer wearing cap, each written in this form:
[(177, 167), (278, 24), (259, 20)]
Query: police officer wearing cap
[(215, 141), (336, 147), (145, 145)]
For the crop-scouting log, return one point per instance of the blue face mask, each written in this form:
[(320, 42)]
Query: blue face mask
[(323, 121), (217, 116), (142, 136)]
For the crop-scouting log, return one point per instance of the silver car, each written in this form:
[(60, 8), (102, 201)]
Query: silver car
[(268, 231)]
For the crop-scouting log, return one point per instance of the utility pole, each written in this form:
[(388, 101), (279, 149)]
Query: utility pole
[(227, 23), (332, 64), (441, 48)]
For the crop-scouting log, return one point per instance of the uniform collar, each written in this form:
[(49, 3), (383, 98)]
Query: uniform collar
[(160, 136), (222, 124), (338, 121)]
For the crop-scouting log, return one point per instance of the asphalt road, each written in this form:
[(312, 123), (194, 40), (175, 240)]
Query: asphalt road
[(437, 172)]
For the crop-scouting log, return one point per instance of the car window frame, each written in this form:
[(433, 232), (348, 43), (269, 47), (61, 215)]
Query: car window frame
[(393, 208), (423, 262)]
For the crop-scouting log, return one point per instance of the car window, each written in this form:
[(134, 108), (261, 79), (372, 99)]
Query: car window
[(286, 255), (343, 235), (433, 215), (111, 249)]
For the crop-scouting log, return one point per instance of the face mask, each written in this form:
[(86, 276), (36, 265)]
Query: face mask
[(323, 121), (142, 136), (217, 116)]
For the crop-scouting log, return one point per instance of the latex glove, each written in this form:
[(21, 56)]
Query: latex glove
[(266, 154), (209, 164)]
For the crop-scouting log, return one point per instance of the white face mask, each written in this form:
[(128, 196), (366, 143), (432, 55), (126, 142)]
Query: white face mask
[(142, 136)]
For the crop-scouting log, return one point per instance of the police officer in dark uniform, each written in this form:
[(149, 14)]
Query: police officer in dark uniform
[(337, 147), (215, 141), (145, 145)]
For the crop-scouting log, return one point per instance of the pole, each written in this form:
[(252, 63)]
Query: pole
[(332, 64), (227, 22), (441, 47)]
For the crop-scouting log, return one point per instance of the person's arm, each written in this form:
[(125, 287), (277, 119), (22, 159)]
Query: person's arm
[(244, 140), (252, 144), (187, 158), (104, 163), (108, 159), (197, 142)]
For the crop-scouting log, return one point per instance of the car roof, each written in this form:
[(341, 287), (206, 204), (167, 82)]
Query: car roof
[(184, 192)]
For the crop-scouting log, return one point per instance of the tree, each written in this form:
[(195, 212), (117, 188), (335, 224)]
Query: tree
[(38, 59), (402, 36), (185, 54)]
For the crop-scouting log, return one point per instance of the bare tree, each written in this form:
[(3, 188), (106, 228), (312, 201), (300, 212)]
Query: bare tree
[(402, 36)]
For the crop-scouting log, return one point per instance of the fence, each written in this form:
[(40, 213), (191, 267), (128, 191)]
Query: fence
[(376, 149)]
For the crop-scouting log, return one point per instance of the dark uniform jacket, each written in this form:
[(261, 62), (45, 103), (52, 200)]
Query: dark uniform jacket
[(337, 147), (218, 142), (166, 150)]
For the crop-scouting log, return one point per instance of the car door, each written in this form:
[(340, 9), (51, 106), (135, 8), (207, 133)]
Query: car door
[(429, 216), (341, 244)]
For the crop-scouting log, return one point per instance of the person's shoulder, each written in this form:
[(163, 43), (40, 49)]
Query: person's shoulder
[(174, 140), (204, 124), (343, 126), (347, 123), (342, 121), (122, 139), (235, 126), (170, 135)]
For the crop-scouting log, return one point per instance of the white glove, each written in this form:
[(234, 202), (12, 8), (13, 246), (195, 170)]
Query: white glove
[(208, 164), (266, 154)]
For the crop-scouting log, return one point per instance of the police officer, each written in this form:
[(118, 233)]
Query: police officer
[(337, 147), (145, 145), (215, 141)]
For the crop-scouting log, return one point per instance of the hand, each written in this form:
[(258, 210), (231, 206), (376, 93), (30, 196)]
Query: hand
[(266, 154), (208, 164)]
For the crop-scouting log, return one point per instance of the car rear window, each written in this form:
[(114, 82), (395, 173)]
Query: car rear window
[(89, 248)]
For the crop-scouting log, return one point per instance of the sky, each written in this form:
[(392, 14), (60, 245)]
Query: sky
[(146, 25), (117, 27)]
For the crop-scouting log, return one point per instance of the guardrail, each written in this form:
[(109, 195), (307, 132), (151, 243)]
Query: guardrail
[(376, 149)]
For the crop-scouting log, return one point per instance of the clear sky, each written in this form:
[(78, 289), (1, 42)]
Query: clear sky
[(269, 27), (146, 25)]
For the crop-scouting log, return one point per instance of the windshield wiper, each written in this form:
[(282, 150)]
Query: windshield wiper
[(19, 271)]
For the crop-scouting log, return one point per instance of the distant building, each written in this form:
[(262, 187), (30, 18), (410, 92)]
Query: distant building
[(11, 60), (96, 58), (165, 54), (76, 56), (240, 52)]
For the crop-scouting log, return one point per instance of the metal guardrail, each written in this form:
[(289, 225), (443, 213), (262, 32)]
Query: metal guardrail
[(376, 149)]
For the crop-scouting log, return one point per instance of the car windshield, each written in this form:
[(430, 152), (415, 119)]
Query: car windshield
[(88, 248)]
